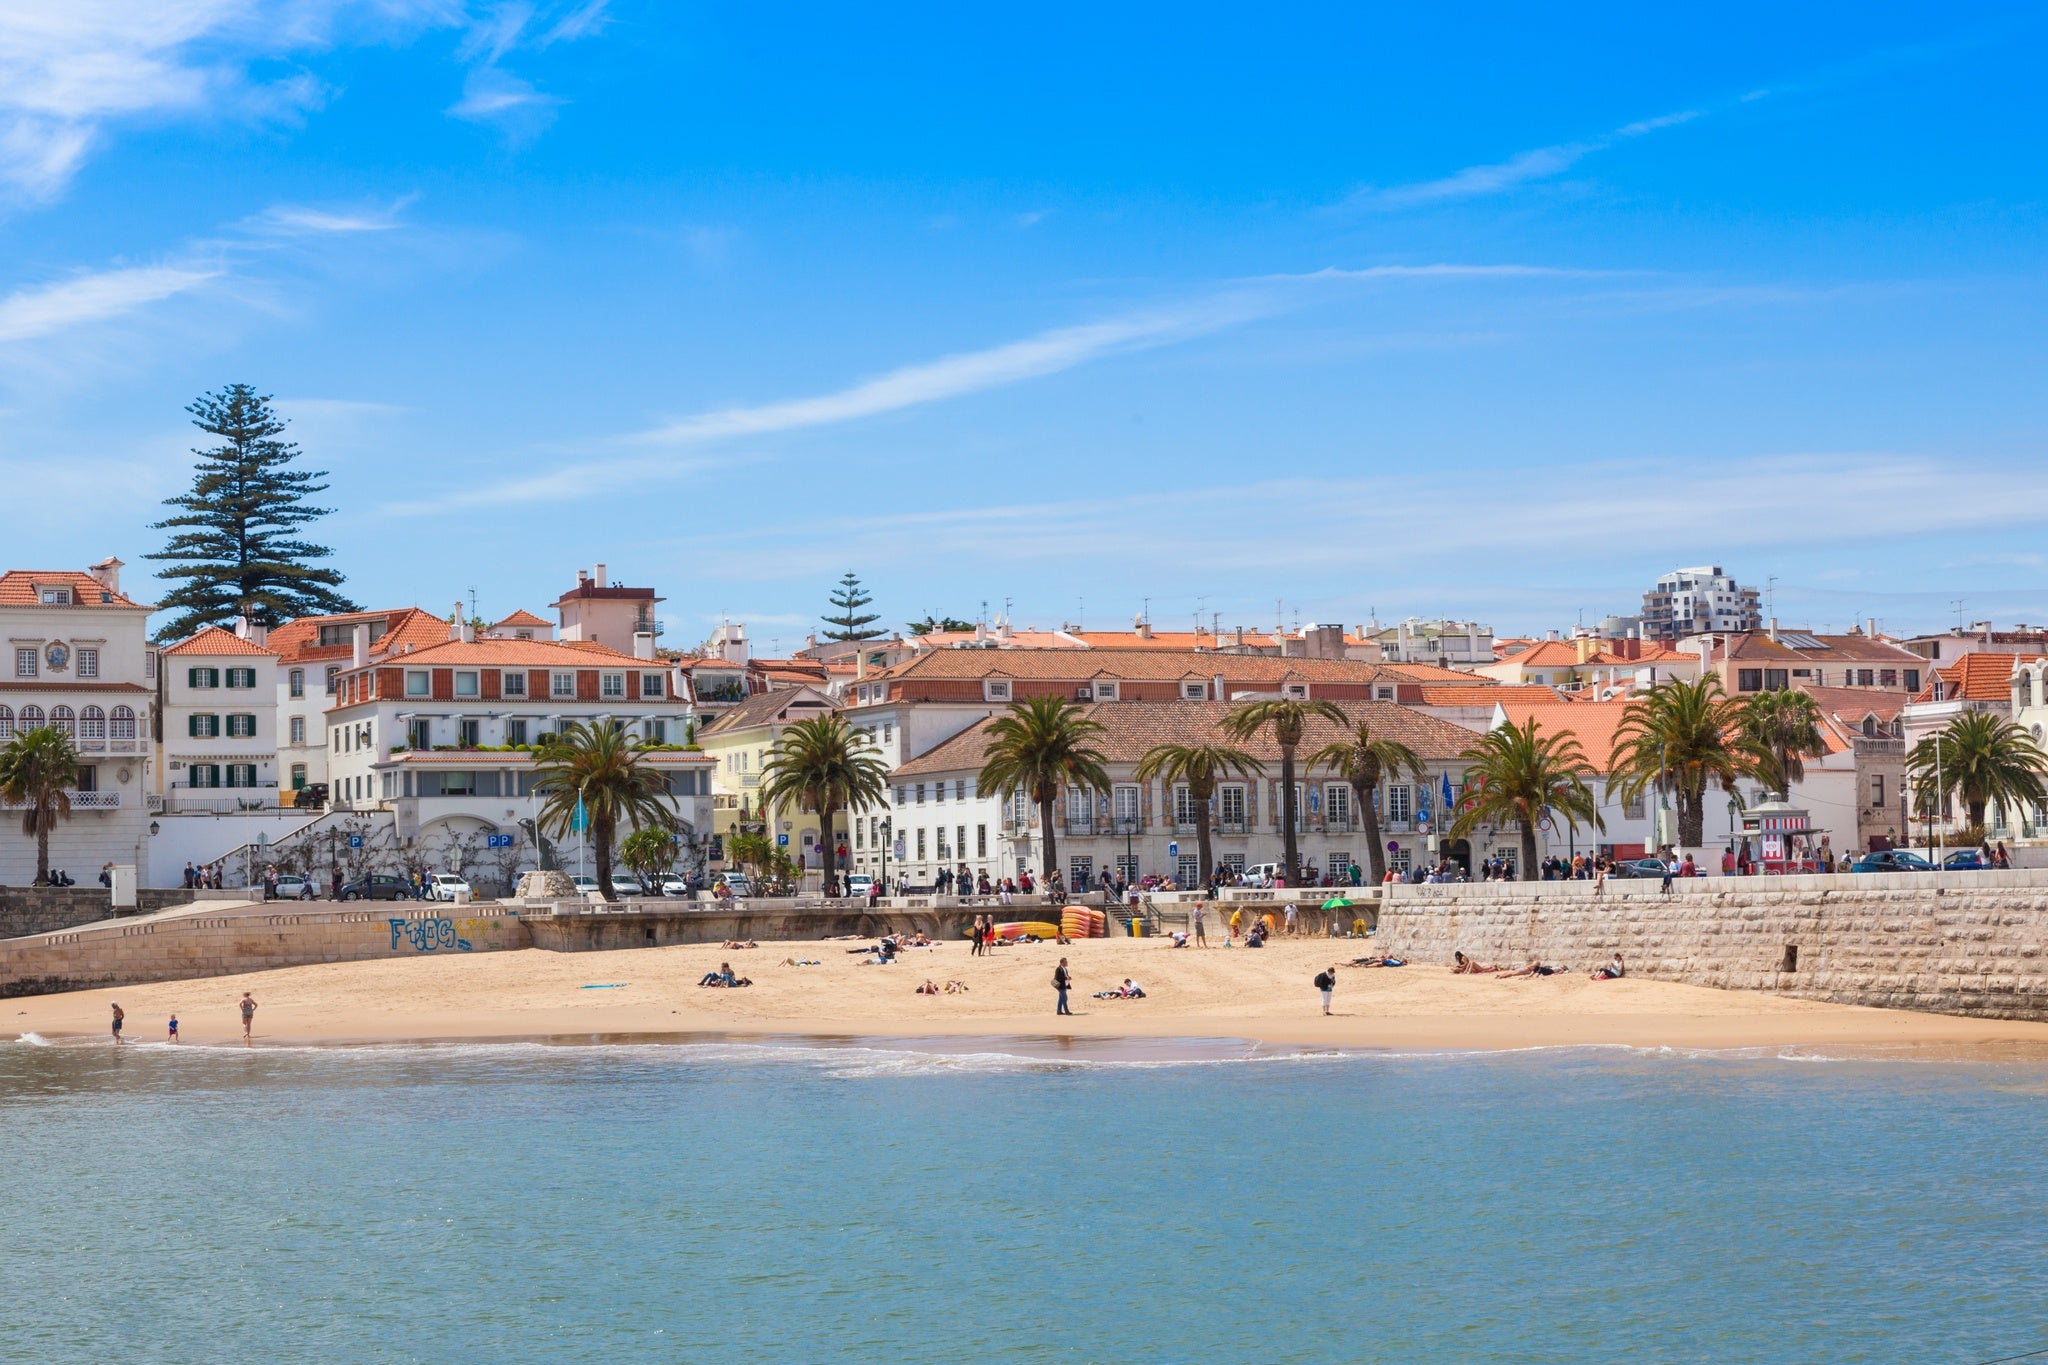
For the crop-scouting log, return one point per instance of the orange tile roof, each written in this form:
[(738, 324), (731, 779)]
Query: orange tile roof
[(23, 588), (1976, 677), (1136, 665), (299, 641), (1592, 723), (522, 617), (516, 654), (1859, 648), (1016, 639), (1486, 694), (214, 640), (1133, 728)]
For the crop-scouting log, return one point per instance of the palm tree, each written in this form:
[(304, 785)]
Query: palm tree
[(1517, 776), (1685, 734), (37, 770), (1286, 717), (1780, 729), (747, 850), (1982, 759), (649, 853), (594, 766), (1365, 760), (826, 766), (1038, 746), (1201, 766)]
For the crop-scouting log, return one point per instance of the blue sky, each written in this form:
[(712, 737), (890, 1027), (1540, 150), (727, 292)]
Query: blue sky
[(1496, 313)]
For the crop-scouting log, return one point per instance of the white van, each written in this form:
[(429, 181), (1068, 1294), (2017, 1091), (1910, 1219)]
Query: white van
[(1261, 875)]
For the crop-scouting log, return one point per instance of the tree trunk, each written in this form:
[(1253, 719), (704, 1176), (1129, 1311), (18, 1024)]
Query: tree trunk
[(1047, 839), (1529, 869), (43, 846), (1205, 852), (1977, 813), (1692, 813), (1369, 821), (830, 860), (601, 850), (1289, 846)]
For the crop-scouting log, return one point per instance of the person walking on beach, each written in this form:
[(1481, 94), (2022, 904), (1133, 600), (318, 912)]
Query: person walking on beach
[(1326, 982), (248, 1015), (1201, 920), (119, 1016), (1062, 982)]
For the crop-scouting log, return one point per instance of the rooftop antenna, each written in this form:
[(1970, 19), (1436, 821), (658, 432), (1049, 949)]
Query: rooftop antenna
[(1081, 613), (1201, 607), (984, 611), (1148, 609), (1771, 595), (1957, 603), (472, 601)]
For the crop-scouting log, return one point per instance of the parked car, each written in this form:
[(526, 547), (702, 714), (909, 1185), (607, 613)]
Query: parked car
[(1639, 867), (1261, 875), (1966, 860), (378, 886), (739, 883), (444, 885), (859, 884), (1891, 860), (676, 886), (626, 884), (584, 885)]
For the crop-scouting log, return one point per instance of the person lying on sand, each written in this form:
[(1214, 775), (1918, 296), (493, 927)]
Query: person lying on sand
[(1377, 962), (1465, 966), (955, 987), (930, 987), (1130, 990), (801, 962), (724, 977), (735, 943), (1534, 968)]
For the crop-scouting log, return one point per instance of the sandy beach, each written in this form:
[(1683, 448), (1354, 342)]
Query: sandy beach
[(1263, 995)]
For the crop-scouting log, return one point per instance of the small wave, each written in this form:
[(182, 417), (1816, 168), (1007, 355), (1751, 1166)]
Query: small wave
[(33, 1040)]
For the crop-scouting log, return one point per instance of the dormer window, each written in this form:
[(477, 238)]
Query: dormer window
[(56, 597), (995, 689), (1105, 691), (1194, 691), (1298, 691)]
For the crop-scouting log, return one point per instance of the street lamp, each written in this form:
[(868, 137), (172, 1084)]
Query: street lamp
[(888, 831), (1130, 824)]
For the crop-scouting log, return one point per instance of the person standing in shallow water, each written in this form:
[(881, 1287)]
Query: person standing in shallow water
[(1062, 982), (248, 1015), (119, 1016)]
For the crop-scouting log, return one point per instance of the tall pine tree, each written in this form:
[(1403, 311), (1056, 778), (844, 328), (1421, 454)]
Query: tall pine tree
[(849, 624), (235, 549)]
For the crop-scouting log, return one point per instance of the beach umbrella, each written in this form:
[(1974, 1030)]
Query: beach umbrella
[(1337, 903)]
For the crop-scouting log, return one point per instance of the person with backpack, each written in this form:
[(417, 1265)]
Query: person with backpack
[(1326, 982), (1062, 982)]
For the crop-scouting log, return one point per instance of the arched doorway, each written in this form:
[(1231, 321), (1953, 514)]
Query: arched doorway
[(1459, 851)]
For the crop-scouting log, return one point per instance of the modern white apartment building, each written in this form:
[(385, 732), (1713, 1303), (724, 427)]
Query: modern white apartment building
[(78, 658), (1698, 601)]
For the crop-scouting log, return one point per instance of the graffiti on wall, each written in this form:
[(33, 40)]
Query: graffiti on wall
[(429, 935)]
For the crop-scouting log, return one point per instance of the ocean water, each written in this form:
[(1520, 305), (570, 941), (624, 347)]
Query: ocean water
[(684, 1202)]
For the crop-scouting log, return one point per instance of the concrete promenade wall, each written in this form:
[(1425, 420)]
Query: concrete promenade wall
[(40, 909), (117, 953), (1973, 943)]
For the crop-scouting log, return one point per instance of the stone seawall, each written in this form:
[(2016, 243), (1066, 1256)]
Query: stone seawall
[(118, 953), (1976, 947), (40, 909)]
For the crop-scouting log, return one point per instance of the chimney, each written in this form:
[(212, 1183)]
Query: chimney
[(1774, 630), (643, 644), (108, 572), (1870, 627), (455, 625), (1143, 627), (597, 576), (359, 645), (1217, 692), (1584, 644), (582, 575), (1550, 635)]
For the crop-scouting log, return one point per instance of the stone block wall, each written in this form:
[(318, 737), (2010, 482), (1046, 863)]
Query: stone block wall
[(122, 954), (1975, 947), (40, 909)]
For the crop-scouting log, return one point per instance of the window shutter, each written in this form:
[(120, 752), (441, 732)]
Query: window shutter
[(192, 677), (192, 726)]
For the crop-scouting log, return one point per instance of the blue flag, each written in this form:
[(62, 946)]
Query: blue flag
[(1447, 792), (581, 820)]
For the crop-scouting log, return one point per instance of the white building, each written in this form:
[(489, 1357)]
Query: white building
[(1698, 601), (311, 652), (220, 740), (78, 658), (444, 737), (1448, 644)]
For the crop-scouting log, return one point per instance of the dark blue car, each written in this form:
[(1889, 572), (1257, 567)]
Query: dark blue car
[(1891, 860)]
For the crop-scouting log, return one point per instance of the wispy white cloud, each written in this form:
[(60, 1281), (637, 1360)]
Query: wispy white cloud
[(1538, 163), (297, 220), (44, 310)]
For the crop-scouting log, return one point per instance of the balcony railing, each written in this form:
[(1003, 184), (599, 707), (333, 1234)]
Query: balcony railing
[(1084, 824), (1233, 827), (1339, 824), (1186, 827), (79, 801)]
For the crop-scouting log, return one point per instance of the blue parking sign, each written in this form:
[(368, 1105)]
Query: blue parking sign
[(355, 841)]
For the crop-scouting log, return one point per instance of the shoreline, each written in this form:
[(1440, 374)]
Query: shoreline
[(1210, 1000)]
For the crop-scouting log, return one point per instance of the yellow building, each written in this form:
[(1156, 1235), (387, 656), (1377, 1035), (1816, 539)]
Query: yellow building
[(739, 744)]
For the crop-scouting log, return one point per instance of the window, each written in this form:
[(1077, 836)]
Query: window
[(1887, 677), (202, 677), (62, 721), (298, 729), (981, 841), (920, 793), (888, 733), (333, 672), (419, 734), (88, 663), (201, 726), (959, 789), (1337, 805), (614, 686), (1633, 808), (650, 685), (920, 844), (418, 683), (203, 775), (1777, 679), (6, 723), (1877, 792), (241, 726), (1194, 691), (515, 731), (656, 731), (467, 734), (296, 682), (298, 777), (1749, 680), (1912, 680), (939, 791), (1234, 862), (1187, 871), (241, 774), (1184, 812), (1231, 807), (1384, 693), (562, 685), (1105, 691), (1299, 691), (1339, 862), (995, 689), (512, 683), (25, 662), (1400, 803), (1080, 873), (466, 684), (92, 723), (241, 677), (149, 665), (121, 725), (1125, 805), (1080, 806), (903, 796), (1864, 678)]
